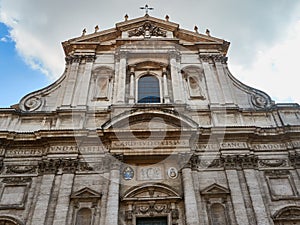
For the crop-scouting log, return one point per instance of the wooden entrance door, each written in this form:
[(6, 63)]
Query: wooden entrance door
[(152, 221)]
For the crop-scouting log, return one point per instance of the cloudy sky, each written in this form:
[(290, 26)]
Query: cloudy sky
[(264, 36)]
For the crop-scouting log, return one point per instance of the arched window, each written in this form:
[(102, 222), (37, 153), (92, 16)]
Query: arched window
[(148, 89), (84, 217)]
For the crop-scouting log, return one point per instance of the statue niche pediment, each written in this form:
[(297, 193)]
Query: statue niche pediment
[(215, 189), (86, 193)]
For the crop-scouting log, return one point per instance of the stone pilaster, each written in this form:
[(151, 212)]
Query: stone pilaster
[(63, 201), (176, 78), (225, 85), (121, 78), (40, 211), (71, 81), (132, 81), (112, 207), (237, 198), (190, 203), (83, 86), (165, 87), (212, 87), (256, 197)]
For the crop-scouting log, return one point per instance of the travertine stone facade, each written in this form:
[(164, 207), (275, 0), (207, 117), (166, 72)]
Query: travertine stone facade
[(148, 126)]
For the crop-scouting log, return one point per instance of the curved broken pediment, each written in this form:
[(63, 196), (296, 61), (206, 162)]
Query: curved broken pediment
[(257, 98), (155, 118), (37, 101), (150, 191)]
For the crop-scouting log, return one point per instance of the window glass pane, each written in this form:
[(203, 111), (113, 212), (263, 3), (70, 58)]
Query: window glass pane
[(148, 90), (152, 221)]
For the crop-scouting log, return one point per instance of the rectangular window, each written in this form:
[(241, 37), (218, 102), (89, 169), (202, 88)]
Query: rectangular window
[(152, 221)]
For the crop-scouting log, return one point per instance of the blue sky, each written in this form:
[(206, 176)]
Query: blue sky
[(264, 36), (16, 77)]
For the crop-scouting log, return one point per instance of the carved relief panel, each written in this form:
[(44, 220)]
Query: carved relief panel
[(102, 77), (281, 185), (14, 192)]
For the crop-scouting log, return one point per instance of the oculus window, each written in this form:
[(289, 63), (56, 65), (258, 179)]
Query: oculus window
[(148, 89)]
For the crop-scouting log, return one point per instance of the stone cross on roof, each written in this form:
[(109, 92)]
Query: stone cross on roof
[(146, 7)]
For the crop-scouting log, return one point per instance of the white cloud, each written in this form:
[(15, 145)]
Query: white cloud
[(38, 28), (3, 39), (276, 69)]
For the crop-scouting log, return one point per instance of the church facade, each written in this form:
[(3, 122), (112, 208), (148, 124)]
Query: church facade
[(147, 126)]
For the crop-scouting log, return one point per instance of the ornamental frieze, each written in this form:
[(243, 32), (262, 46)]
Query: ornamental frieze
[(210, 58), (273, 163), (20, 169), (227, 162), (16, 180), (153, 209), (62, 165)]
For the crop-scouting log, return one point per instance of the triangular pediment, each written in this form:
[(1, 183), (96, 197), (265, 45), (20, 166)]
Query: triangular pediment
[(142, 28), (85, 193), (215, 189), (137, 22)]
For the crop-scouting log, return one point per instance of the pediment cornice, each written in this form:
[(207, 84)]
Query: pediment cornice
[(157, 27)]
